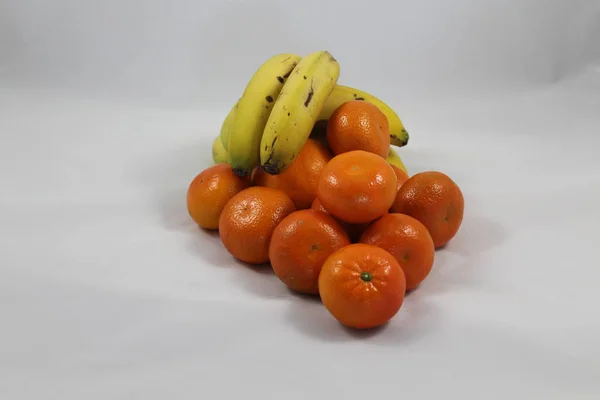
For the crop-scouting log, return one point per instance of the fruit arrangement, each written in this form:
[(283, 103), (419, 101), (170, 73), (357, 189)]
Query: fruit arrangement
[(306, 180)]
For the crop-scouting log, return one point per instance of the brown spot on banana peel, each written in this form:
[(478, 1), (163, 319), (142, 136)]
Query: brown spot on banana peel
[(360, 98), (311, 93), (288, 74), (269, 99), (280, 79)]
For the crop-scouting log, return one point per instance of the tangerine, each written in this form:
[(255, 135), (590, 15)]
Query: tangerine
[(353, 230), (357, 187), (249, 219), (408, 240), (358, 125), (300, 245), (209, 191), (299, 181), (434, 199), (401, 176), (362, 286)]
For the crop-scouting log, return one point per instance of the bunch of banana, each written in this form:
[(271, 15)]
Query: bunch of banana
[(297, 109), (254, 109), (285, 98)]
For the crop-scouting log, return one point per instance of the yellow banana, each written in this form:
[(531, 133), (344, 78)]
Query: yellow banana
[(227, 126), (296, 110), (253, 110), (219, 154), (342, 94), (394, 159)]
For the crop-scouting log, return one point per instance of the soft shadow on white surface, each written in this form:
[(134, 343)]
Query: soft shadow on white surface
[(414, 322), (257, 280), (457, 267)]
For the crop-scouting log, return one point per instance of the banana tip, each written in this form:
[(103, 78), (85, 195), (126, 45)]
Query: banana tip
[(271, 169), (242, 173), (406, 138)]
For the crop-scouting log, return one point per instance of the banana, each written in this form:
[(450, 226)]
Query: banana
[(227, 125), (219, 153), (253, 110), (342, 94), (394, 159), (296, 110)]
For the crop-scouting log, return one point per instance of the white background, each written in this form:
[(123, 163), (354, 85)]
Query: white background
[(108, 290)]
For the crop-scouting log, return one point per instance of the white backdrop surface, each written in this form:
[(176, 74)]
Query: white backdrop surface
[(109, 291)]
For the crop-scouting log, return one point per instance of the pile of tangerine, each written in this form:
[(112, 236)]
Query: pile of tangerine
[(340, 222)]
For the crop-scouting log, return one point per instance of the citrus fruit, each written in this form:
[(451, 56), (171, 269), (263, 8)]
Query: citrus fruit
[(299, 181), (353, 230), (300, 245), (357, 187), (435, 200), (318, 206), (209, 191), (401, 176), (362, 286), (408, 241), (249, 219), (358, 125)]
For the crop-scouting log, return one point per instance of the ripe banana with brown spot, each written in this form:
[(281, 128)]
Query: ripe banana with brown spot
[(253, 110), (341, 94), (296, 110), (394, 159)]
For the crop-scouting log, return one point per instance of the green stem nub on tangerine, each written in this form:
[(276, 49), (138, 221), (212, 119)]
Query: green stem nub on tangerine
[(366, 276)]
